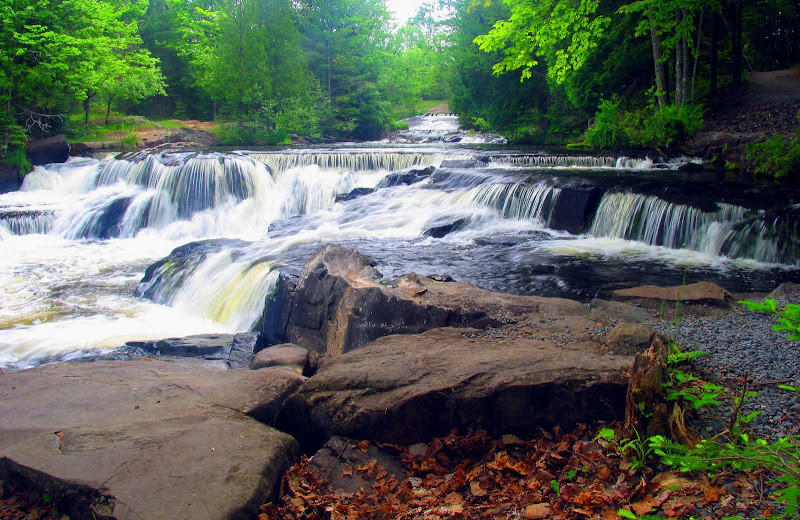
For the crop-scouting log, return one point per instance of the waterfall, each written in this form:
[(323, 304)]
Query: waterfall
[(570, 161), (514, 201), (728, 231), (351, 161), (27, 223)]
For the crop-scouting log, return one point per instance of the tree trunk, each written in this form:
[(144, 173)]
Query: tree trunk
[(108, 108), (685, 71), (658, 53), (328, 53), (86, 111), (715, 22), (697, 53), (737, 42), (679, 55)]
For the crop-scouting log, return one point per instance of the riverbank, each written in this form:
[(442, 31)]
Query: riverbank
[(766, 105), (395, 366)]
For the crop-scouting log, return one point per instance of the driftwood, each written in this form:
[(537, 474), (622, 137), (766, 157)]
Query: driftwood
[(647, 411)]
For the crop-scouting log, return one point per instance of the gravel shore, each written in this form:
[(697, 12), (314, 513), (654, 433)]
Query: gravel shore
[(740, 343)]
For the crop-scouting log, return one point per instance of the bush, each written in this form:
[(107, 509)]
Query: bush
[(667, 127), (240, 134), (608, 129), (15, 157), (776, 157), (642, 128)]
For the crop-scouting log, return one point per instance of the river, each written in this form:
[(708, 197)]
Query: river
[(76, 240)]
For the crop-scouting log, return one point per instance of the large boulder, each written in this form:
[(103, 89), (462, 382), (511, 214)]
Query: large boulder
[(146, 439), (9, 179), (409, 388), (340, 304), (50, 150)]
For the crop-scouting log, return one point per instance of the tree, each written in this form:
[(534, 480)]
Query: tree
[(54, 52), (565, 32), (345, 42)]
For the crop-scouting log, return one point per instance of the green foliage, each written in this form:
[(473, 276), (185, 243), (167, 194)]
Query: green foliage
[(788, 316), (642, 128), (636, 448), (781, 457), (607, 130), (777, 157), (237, 134), (15, 157), (563, 33)]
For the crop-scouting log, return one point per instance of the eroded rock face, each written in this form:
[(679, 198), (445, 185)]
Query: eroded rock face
[(339, 305), (146, 439), (408, 388)]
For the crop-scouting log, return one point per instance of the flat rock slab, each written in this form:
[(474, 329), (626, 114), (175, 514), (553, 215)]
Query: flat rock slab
[(409, 388), (230, 350), (146, 439), (700, 292)]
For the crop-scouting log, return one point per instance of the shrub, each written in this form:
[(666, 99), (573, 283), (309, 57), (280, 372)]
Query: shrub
[(16, 158), (777, 157), (642, 128)]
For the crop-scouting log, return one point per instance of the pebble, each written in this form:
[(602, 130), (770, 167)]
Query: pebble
[(744, 342)]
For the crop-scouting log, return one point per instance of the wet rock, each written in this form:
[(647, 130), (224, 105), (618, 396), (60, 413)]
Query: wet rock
[(695, 293), (462, 164), (162, 279), (405, 178), (354, 194), (446, 229), (631, 338), (574, 208), (337, 462), (618, 311), (408, 388), (288, 355), (234, 350), (339, 305), (276, 312), (146, 439), (50, 150), (9, 179)]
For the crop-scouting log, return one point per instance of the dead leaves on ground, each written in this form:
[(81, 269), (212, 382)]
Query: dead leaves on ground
[(554, 476)]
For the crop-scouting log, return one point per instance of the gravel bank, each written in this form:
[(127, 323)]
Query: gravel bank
[(738, 343)]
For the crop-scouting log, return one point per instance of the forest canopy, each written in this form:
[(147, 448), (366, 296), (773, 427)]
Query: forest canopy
[(535, 70)]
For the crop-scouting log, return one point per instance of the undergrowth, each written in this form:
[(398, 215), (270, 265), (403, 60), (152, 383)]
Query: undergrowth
[(777, 157), (643, 128)]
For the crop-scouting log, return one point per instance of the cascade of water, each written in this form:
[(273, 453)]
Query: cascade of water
[(352, 161), (724, 232), (575, 161), (28, 223), (226, 291), (515, 201)]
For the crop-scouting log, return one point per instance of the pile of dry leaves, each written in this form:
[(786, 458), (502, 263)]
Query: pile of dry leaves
[(26, 505), (555, 475)]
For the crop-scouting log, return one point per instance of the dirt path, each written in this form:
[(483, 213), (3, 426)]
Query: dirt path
[(769, 104)]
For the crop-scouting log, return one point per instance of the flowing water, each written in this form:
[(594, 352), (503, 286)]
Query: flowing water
[(76, 240)]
